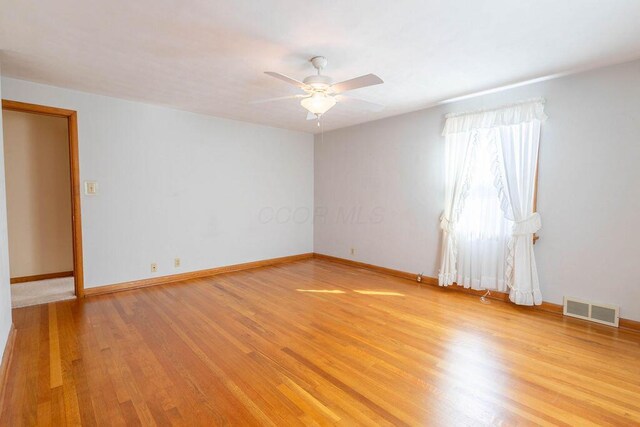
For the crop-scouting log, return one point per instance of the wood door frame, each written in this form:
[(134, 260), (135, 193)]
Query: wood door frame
[(74, 163)]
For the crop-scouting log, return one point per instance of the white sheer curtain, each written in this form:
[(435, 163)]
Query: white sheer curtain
[(482, 232), (516, 164), (488, 221), (459, 152)]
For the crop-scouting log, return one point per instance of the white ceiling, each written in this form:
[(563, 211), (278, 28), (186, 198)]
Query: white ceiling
[(208, 56)]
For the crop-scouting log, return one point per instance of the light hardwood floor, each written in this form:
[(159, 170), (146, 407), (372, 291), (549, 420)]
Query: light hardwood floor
[(314, 342)]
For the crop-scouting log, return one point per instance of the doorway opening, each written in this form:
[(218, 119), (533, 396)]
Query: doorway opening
[(43, 203)]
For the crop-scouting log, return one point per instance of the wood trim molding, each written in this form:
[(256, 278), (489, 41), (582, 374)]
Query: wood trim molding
[(76, 214), (548, 307), (74, 162), (45, 276), (383, 270), (6, 362), (535, 191), (634, 325), (152, 281), (35, 108)]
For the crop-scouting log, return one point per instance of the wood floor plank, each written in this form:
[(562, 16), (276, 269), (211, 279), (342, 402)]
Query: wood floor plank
[(55, 364), (314, 343)]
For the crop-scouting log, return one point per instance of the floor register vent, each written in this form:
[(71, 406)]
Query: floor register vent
[(600, 313)]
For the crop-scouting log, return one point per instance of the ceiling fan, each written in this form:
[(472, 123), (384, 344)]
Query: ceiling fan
[(321, 94)]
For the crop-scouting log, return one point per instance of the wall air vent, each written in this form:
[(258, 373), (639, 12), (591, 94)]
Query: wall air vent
[(599, 313)]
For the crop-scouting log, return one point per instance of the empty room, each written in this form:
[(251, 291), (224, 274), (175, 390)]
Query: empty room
[(282, 213)]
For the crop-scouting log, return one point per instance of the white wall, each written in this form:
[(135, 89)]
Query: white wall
[(589, 187), (178, 184), (5, 292)]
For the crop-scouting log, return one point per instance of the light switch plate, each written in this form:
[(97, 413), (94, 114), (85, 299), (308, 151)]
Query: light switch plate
[(90, 188)]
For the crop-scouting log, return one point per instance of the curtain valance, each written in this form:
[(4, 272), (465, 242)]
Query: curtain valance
[(515, 114)]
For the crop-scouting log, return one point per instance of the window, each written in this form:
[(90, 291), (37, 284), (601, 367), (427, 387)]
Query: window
[(489, 218), (482, 232)]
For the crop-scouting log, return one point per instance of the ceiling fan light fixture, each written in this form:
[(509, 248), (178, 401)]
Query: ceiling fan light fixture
[(318, 103), (320, 93)]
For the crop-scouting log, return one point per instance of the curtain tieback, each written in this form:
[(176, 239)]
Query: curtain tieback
[(528, 225), (445, 224)]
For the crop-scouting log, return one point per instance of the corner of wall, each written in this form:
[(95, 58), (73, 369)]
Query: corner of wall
[(5, 290)]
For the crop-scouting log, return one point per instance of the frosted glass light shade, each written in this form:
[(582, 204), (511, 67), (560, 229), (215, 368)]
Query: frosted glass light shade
[(318, 103)]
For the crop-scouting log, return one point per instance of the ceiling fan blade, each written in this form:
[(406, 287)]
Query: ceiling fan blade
[(360, 103), (311, 116), (280, 98), (286, 79), (357, 83)]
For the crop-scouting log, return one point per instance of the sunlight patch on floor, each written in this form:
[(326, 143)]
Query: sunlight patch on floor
[(361, 292), (386, 293), (322, 291)]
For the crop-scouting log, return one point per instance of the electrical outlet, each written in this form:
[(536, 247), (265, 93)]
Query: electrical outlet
[(154, 267), (353, 251), (90, 188), (176, 262)]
